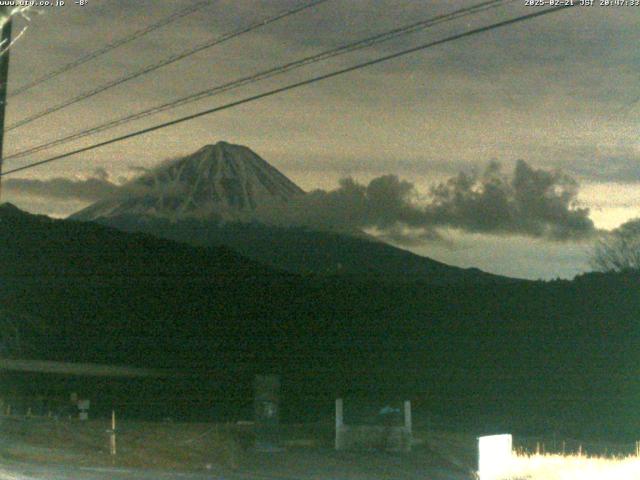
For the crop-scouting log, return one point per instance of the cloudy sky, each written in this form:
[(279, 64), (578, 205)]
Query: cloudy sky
[(462, 136)]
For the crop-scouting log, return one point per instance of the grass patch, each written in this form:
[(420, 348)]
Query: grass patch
[(573, 467), (183, 446)]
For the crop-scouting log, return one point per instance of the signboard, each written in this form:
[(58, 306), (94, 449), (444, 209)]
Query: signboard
[(267, 412), (494, 456)]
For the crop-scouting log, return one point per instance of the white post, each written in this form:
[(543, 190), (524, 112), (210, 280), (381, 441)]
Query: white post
[(339, 423), (83, 409), (112, 434), (407, 416), (408, 427)]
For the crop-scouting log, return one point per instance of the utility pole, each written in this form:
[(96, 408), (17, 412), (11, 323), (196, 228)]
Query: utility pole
[(5, 40)]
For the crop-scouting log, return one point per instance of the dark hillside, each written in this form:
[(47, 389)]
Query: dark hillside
[(307, 251), (531, 356)]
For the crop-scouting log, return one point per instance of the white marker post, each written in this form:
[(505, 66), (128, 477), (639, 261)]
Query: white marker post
[(112, 434), (494, 456), (339, 424)]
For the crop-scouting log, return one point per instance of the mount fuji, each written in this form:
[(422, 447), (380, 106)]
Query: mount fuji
[(221, 182), (213, 197)]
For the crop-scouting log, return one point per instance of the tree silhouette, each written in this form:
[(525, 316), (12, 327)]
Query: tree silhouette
[(619, 250)]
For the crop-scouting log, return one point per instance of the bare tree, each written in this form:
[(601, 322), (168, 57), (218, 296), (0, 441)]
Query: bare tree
[(618, 250)]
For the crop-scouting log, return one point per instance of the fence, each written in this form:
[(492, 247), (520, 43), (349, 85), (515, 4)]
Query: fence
[(384, 436)]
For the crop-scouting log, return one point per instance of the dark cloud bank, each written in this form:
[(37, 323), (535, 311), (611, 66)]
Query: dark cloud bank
[(89, 189), (529, 202)]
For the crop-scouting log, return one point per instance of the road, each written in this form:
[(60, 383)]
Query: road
[(24, 471)]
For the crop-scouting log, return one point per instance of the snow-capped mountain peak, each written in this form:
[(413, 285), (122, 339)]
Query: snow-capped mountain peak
[(223, 181)]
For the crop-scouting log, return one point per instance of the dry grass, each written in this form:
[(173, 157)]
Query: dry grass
[(571, 467)]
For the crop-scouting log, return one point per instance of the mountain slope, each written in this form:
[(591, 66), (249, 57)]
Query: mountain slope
[(115, 296), (305, 251), (220, 182), (32, 246)]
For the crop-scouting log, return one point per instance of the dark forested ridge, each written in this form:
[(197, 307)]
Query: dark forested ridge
[(307, 251), (559, 355)]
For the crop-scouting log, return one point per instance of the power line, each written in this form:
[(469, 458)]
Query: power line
[(295, 85), (111, 46), (272, 72), (162, 63)]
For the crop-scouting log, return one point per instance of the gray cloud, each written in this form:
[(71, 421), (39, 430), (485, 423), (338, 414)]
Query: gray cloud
[(531, 202), (88, 189), (384, 203), (622, 168)]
